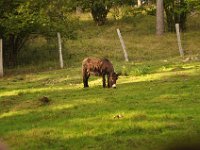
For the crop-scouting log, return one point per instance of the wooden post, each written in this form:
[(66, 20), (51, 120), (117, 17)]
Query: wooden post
[(60, 50), (1, 58), (179, 40), (123, 45)]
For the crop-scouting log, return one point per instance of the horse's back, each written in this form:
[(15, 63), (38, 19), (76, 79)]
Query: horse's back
[(91, 60), (97, 65), (92, 65), (94, 62)]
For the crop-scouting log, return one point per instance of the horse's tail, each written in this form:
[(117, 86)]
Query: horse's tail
[(84, 66)]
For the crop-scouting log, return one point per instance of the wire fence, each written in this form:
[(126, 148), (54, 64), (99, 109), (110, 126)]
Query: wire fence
[(139, 37)]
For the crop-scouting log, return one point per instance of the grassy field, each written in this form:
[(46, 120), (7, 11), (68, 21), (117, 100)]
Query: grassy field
[(157, 94), (91, 40)]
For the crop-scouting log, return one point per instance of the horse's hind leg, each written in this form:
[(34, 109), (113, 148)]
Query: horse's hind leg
[(85, 78)]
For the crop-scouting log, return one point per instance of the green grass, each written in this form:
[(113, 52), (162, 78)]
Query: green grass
[(157, 107), (157, 94)]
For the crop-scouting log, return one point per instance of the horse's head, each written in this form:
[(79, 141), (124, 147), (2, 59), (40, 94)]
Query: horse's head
[(113, 80)]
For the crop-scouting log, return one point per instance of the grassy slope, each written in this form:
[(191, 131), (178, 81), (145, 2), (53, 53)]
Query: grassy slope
[(159, 98)]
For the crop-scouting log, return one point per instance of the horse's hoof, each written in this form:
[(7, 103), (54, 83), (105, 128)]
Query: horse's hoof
[(114, 86)]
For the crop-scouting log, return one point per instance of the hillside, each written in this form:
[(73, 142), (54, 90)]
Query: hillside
[(102, 41)]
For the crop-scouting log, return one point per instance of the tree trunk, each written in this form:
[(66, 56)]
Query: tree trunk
[(12, 46), (139, 3), (160, 18), (12, 52)]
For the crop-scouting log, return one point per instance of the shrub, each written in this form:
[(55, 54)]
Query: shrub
[(99, 12)]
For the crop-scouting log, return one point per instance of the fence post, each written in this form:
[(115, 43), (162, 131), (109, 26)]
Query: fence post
[(60, 50), (1, 58), (123, 45), (179, 40)]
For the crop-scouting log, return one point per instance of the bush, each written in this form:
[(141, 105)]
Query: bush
[(139, 11), (151, 10), (99, 12)]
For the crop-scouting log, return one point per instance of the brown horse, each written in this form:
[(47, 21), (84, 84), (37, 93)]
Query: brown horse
[(99, 67)]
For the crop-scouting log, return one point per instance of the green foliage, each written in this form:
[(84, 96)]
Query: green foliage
[(24, 18), (139, 11), (193, 5), (177, 11), (151, 10), (99, 12), (100, 8)]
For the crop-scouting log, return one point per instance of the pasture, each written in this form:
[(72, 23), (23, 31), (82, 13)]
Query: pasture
[(157, 94), (156, 108)]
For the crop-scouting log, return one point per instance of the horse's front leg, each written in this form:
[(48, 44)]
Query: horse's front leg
[(104, 80), (108, 80)]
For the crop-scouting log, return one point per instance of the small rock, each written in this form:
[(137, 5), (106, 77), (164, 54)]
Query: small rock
[(44, 100)]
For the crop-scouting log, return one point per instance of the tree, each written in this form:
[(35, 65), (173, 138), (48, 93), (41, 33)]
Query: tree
[(13, 28), (99, 11), (21, 19), (160, 18), (100, 8), (177, 11)]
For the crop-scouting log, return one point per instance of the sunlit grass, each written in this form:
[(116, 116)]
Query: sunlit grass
[(55, 83), (13, 113)]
